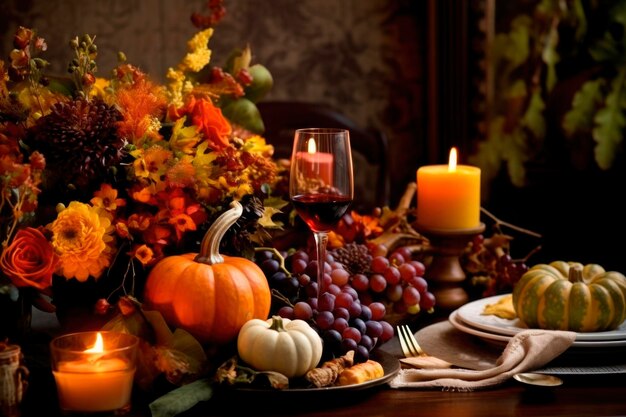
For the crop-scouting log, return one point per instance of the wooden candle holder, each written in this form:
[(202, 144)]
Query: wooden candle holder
[(444, 273)]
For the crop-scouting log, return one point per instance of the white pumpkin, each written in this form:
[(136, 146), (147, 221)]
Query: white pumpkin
[(291, 347)]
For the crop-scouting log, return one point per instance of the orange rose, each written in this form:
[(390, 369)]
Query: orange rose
[(30, 260), (211, 122)]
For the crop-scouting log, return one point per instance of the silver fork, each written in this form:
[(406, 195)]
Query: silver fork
[(409, 345)]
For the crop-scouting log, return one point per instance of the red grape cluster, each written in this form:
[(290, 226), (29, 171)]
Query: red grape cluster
[(490, 264), (343, 320), (509, 270), (395, 279)]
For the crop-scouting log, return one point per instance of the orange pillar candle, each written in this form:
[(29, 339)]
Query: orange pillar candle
[(316, 164), (448, 196)]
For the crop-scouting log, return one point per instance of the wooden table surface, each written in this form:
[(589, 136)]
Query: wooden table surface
[(580, 395)]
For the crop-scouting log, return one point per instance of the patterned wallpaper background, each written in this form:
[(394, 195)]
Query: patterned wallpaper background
[(364, 57)]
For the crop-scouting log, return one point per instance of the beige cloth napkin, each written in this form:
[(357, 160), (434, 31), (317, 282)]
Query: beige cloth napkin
[(526, 351)]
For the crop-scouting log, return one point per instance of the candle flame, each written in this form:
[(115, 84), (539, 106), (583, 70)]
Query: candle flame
[(312, 147), (452, 160), (98, 347)]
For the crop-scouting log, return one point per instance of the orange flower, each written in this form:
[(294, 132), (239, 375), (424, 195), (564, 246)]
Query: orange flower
[(157, 235), (144, 254), (139, 221), (142, 194), (141, 103), (106, 198), (210, 122), (354, 227), (182, 223), (182, 174), (121, 228), (30, 260)]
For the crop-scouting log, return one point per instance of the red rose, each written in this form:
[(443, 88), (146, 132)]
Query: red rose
[(30, 260)]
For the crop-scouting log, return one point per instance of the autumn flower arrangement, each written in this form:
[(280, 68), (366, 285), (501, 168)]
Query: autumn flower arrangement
[(102, 174)]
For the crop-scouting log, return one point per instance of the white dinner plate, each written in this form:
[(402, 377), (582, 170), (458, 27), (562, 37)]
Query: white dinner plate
[(471, 314), (455, 320), (460, 325)]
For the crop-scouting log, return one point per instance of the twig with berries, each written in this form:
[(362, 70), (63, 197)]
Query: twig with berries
[(488, 260)]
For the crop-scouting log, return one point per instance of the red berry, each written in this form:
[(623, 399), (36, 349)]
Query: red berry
[(102, 306)]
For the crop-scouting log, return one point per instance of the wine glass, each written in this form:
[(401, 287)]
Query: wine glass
[(321, 185)]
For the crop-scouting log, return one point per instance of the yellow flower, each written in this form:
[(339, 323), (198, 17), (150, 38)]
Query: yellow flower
[(184, 139), (175, 87), (38, 100), (256, 144), (99, 89), (151, 163), (199, 54), (82, 236)]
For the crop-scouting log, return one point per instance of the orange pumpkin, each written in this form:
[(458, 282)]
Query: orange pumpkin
[(209, 295)]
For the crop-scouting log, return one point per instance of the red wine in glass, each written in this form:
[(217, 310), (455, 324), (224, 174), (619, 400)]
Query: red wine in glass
[(321, 184), (321, 211)]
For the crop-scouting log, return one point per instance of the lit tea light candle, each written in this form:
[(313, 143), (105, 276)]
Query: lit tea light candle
[(96, 379), (316, 164), (448, 196)]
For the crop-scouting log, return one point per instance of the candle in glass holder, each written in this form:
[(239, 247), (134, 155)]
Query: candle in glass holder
[(94, 371), (448, 196), (316, 164)]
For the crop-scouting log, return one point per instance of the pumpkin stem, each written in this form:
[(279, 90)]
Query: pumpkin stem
[(575, 274), (277, 324), (210, 247)]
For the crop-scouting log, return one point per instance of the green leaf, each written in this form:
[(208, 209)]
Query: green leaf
[(184, 342), (62, 85), (516, 47), (163, 334), (489, 155), (581, 18), (551, 57), (584, 104), (610, 48), (182, 399), (516, 155), (534, 118), (610, 124)]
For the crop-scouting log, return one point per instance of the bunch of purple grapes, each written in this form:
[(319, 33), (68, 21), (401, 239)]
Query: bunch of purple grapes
[(340, 317), (351, 314), (272, 263)]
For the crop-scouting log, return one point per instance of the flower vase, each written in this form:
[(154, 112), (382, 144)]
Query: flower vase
[(16, 313)]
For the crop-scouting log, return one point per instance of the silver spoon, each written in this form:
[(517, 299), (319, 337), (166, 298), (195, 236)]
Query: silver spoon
[(543, 380)]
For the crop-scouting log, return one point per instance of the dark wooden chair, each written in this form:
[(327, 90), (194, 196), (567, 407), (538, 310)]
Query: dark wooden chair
[(369, 147)]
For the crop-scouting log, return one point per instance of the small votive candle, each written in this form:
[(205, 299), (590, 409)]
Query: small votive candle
[(94, 371), (448, 196)]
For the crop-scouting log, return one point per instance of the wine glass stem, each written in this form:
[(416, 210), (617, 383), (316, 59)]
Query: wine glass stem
[(321, 239)]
